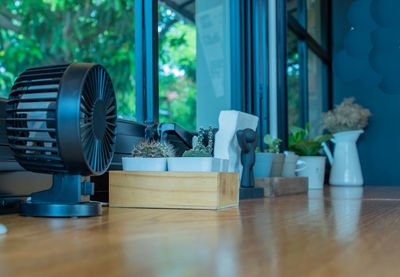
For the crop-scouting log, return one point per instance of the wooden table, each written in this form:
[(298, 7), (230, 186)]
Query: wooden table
[(336, 233)]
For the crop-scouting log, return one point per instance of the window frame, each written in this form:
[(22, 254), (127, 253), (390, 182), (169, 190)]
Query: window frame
[(306, 43), (146, 59), (249, 45)]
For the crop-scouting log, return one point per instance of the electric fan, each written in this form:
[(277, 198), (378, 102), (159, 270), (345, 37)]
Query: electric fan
[(61, 120)]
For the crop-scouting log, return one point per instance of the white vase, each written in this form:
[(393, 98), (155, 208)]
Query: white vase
[(314, 170), (195, 164), (346, 168), (144, 164)]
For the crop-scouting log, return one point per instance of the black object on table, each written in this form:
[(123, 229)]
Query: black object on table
[(247, 140)]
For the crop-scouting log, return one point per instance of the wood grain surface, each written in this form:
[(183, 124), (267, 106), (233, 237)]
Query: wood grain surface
[(331, 234)]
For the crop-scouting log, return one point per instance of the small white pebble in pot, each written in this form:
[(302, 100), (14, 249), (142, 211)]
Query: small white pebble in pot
[(3, 229)]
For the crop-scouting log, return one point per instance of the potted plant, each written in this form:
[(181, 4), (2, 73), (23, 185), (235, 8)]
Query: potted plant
[(273, 146), (148, 156), (309, 150), (270, 162), (346, 122), (199, 158)]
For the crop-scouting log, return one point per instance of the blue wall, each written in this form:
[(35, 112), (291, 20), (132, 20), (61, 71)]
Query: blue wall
[(379, 146)]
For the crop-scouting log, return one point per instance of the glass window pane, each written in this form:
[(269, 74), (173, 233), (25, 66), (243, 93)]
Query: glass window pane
[(293, 72), (214, 91), (291, 7), (316, 90), (314, 19), (177, 67), (48, 32)]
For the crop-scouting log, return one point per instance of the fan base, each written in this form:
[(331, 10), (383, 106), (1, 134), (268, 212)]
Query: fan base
[(83, 209)]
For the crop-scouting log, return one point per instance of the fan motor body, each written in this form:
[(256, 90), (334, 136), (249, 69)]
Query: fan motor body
[(62, 119)]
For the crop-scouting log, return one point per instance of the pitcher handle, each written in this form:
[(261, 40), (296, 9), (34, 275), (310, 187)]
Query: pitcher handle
[(328, 152)]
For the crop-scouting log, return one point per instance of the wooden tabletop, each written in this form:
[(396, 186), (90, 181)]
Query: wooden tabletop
[(341, 232)]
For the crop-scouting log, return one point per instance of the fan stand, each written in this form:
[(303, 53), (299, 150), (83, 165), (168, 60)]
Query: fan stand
[(63, 199)]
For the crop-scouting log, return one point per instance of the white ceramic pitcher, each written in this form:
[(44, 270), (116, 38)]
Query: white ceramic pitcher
[(346, 168)]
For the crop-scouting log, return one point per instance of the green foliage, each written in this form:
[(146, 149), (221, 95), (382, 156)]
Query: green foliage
[(301, 143), (293, 73), (153, 149), (199, 148), (45, 32), (177, 65), (272, 143)]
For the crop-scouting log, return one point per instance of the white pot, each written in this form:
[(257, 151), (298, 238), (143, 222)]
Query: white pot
[(224, 165), (262, 166), (291, 165), (194, 164), (314, 170), (277, 165), (144, 164), (346, 168)]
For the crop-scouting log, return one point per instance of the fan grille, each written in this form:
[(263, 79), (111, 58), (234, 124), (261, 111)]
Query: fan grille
[(32, 119), (98, 118)]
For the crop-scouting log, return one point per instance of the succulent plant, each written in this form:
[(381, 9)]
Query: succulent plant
[(199, 149), (153, 149)]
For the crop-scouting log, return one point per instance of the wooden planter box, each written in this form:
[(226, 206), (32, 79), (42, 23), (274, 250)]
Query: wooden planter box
[(186, 190)]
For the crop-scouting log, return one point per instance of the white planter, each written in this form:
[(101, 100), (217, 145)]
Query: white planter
[(314, 170), (195, 164), (262, 166), (292, 164), (144, 164), (346, 168), (277, 165)]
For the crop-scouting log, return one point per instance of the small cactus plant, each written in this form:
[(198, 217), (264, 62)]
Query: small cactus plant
[(199, 149), (153, 149)]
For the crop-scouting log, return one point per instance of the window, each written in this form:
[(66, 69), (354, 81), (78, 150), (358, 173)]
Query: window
[(314, 20), (194, 61), (293, 79), (308, 62), (44, 32), (177, 65)]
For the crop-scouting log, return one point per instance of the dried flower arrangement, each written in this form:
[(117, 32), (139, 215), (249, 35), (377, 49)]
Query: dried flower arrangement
[(346, 117)]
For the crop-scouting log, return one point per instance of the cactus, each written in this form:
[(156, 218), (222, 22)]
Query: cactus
[(153, 149), (199, 149)]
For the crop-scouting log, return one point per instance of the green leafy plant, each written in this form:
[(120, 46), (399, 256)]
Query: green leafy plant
[(199, 149), (272, 143), (153, 149), (301, 143)]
